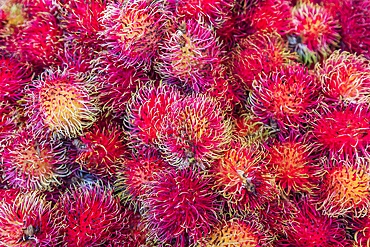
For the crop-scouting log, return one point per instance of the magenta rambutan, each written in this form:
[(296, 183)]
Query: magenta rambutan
[(345, 76), (29, 220), (258, 53), (313, 31), (92, 214), (309, 227), (361, 226), (13, 78), (195, 131), (101, 150), (191, 54), (146, 111), (138, 171), (133, 31), (346, 187), (242, 179), (33, 162), (286, 96), (61, 102), (181, 207), (238, 232), (343, 129), (8, 122)]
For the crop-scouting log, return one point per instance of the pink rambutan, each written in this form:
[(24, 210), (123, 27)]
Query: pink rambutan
[(238, 232), (346, 187), (195, 131), (286, 96), (29, 221), (258, 53), (146, 111), (138, 171), (292, 160), (101, 150), (33, 162), (181, 207), (342, 129), (309, 227), (242, 179), (7, 121), (345, 76), (191, 54), (133, 31), (361, 226), (313, 31), (61, 102), (93, 215)]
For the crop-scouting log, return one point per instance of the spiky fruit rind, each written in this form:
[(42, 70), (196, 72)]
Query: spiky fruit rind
[(33, 162), (361, 226), (60, 102), (181, 207), (195, 131)]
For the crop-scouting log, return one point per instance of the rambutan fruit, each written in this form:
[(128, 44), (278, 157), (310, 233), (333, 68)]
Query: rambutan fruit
[(310, 227), (314, 32), (342, 129), (7, 121), (133, 31), (13, 78), (93, 215), (101, 150), (293, 162), (61, 102), (345, 76), (361, 226), (117, 84), (181, 207), (346, 187), (260, 52), (286, 96), (238, 232), (146, 111), (33, 162), (191, 54), (195, 131), (242, 179), (29, 221), (138, 171)]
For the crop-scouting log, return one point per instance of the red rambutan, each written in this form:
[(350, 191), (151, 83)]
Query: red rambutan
[(242, 179), (133, 31), (28, 221), (343, 129), (101, 150), (146, 111), (260, 52), (286, 96), (7, 121), (346, 187), (93, 215), (180, 207), (314, 31), (345, 76), (195, 131), (32, 162), (191, 54), (61, 102), (361, 226)]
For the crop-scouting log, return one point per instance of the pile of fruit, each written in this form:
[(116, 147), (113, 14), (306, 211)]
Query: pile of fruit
[(186, 123)]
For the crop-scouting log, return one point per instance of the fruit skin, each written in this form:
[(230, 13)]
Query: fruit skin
[(61, 103), (133, 31), (345, 188), (8, 123), (30, 161), (190, 54), (194, 132), (342, 130), (93, 213), (344, 77), (29, 220), (146, 111), (181, 207), (361, 226), (288, 96)]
